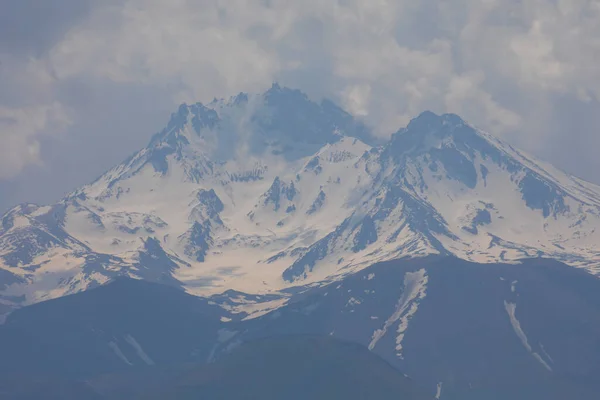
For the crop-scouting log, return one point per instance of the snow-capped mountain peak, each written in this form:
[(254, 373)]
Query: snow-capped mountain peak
[(262, 193)]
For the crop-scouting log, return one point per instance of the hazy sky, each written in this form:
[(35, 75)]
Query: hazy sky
[(84, 83)]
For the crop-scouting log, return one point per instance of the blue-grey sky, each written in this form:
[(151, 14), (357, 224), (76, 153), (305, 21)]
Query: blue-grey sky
[(84, 83)]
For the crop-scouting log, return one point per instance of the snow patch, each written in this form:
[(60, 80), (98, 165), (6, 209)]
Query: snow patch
[(546, 353), (225, 335), (353, 302), (115, 348), (415, 290), (259, 309), (511, 309), (138, 349)]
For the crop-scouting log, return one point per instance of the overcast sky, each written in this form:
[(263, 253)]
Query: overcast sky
[(84, 83)]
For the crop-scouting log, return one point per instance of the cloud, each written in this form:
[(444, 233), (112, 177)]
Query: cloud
[(197, 50), (464, 96), (520, 69), (29, 27), (19, 129)]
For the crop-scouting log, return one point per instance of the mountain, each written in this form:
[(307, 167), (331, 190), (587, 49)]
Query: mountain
[(295, 367), (126, 323), (459, 330), (471, 331), (135, 339), (267, 194)]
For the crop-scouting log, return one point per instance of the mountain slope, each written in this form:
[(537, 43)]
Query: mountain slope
[(467, 330), (266, 194), (115, 327), (295, 367), (458, 329)]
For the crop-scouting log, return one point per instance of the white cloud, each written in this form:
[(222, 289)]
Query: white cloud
[(356, 98), (465, 96), (19, 133), (165, 43), (497, 63)]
